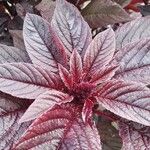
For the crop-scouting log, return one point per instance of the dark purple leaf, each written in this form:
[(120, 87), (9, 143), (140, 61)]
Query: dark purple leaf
[(145, 10), (4, 19), (104, 12), (9, 104), (71, 28)]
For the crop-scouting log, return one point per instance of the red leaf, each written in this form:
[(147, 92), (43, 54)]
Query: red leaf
[(26, 80), (45, 102), (10, 130), (60, 128), (76, 66), (65, 76), (41, 43), (100, 52), (134, 62), (135, 136), (71, 28), (12, 54), (87, 111), (103, 74), (126, 99), (133, 31)]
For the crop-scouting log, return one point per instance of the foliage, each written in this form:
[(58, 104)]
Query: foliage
[(61, 88)]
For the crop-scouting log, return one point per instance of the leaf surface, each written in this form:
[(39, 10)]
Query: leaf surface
[(65, 76), (71, 28), (134, 62), (42, 45), (76, 66), (87, 111), (104, 12), (60, 128), (26, 80), (12, 54), (44, 102), (133, 31), (126, 99), (134, 136), (10, 130), (9, 104), (46, 8), (104, 74), (100, 52)]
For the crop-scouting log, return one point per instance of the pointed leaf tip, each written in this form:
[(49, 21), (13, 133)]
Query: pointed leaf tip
[(100, 51), (76, 66), (44, 102), (69, 30)]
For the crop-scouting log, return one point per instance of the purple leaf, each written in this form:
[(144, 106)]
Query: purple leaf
[(11, 109), (134, 62), (46, 8), (133, 31), (71, 28), (60, 128), (76, 66), (87, 111), (10, 130), (9, 104), (65, 76), (103, 74), (12, 54), (26, 80), (42, 45), (44, 102), (126, 99), (100, 52), (135, 136), (100, 13)]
